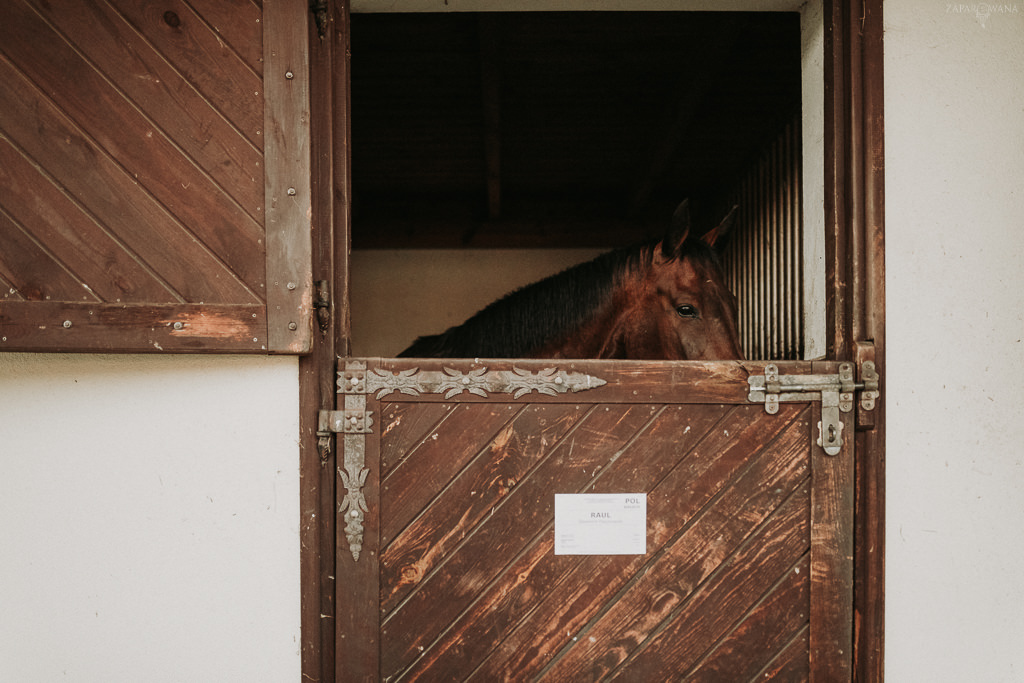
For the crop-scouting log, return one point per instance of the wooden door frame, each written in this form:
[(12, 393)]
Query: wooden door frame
[(330, 131), (855, 277), (855, 301)]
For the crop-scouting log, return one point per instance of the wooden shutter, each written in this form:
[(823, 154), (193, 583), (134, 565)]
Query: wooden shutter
[(446, 565), (154, 176)]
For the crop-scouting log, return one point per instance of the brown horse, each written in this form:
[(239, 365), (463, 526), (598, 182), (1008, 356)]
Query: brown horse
[(664, 300)]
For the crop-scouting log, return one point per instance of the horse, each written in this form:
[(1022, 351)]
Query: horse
[(662, 300)]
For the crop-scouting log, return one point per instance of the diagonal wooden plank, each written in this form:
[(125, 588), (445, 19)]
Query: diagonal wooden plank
[(33, 271), (763, 634), (103, 270), (404, 425), (202, 58), (435, 461), (730, 478), (470, 496), (539, 574), (783, 539), (154, 162), (239, 24), (102, 187), (514, 526), (791, 665), (149, 82)]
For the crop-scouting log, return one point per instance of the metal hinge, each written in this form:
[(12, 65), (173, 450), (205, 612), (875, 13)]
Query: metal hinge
[(346, 421), (836, 393), (319, 9), (331, 422), (322, 304)]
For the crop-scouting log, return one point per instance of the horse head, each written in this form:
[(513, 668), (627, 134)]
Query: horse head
[(680, 308)]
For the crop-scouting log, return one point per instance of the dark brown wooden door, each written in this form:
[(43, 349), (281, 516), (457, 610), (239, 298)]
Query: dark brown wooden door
[(446, 566), (154, 176)]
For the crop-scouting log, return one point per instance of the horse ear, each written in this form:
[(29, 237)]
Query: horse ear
[(672, 244), (720, 232)]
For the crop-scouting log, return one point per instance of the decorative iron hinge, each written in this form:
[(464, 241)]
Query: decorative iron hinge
[(322, 304), (354, 423), (836, 393), (451, 382), (346, 422)]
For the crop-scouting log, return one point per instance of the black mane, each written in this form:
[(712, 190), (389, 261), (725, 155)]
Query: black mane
[(522, 322)]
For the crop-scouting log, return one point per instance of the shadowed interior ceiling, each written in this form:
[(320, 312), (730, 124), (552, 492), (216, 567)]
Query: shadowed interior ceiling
[(559, 129)]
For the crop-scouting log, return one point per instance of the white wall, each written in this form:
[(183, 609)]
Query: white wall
[(954, 119), (148, 518)]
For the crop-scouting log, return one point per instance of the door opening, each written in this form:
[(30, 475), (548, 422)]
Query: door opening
[(492, 149)]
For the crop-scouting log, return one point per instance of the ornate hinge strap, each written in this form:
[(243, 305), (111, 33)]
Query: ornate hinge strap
[(480, 382), (354, 422), (353, 505), (356, 382)]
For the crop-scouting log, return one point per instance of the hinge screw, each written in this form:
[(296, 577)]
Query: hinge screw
[(292, 326), (178, 326), (67, 324), (291, 285), (291, 191), (289, 75)]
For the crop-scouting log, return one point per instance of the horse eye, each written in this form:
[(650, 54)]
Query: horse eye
[(687, 311)]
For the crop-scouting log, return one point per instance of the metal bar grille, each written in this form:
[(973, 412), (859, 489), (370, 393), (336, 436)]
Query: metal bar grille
[(763, 262)]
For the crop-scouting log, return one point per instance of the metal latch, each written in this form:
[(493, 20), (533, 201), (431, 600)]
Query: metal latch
[(346, 421), (835, 392), (350, 421)]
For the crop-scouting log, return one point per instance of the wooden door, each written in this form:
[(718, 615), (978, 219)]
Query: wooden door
[(446, 565)]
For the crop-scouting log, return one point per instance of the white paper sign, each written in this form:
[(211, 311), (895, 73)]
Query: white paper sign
[(600, 524)]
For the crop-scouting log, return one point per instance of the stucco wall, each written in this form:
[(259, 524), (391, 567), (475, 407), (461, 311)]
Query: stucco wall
[(148, 518), (954, 109)]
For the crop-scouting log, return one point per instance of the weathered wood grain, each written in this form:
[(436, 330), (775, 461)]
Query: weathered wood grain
[(523, 515), (791, 665), (146, 80), (525, 616), (762, 635), (496, 468), (748, 574), (211, 65), (66, 242), (697, 474), (832, 503), (405, 425), (125, 328), (239, 24), (102, 187), (31, 271), (287, 191), (152, 161), (691, 554), (436, 460)]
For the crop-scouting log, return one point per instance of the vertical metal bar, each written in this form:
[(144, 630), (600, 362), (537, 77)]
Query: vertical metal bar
[(775, 251), (787, 252), (798, 240)]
